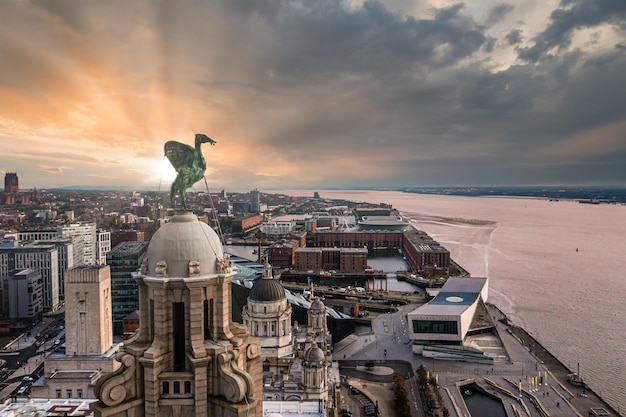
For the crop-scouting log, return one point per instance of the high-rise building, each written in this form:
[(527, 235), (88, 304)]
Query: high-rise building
[(22, 297), (88, 351), (65, 250), (88, 317), (44, 258), (255, 201), (88, 233), (11, 183), (124, 259), (103, 246), (120, 236), (188, 358)]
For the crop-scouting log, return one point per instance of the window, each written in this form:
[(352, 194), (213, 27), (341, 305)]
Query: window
[(58, 393), (166, 387), (79, 393), (68, 393), (435, 326)]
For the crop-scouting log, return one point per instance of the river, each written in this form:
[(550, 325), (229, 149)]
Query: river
[(554, 267)]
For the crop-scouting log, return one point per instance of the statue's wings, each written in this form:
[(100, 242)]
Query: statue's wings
[(179, 154)]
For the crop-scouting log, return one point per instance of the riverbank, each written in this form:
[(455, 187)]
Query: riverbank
[(582, 399)]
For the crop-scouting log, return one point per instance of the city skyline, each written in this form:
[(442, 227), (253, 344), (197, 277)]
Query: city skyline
[(315, 94)]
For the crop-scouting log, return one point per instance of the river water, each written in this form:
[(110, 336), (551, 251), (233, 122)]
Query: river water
[(555, 268)]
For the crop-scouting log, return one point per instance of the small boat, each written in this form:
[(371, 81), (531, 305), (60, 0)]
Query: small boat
[(467, 392)]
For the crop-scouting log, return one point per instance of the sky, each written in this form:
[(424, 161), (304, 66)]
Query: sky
[(314, 93)]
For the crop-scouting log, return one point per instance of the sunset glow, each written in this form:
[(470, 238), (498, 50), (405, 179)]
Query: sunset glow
[(296, 95)]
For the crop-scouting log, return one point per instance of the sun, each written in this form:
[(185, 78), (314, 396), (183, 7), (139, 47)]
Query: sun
[(165, 171)]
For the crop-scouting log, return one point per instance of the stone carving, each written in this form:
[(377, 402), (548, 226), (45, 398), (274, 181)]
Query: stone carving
[(233, 387), (118, 386), (222, 265), (144, 266), (253, 350), (194, 268), (188, 163), (161, 269)]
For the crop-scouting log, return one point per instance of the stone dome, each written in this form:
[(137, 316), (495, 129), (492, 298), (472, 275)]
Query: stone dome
[(314, 354), (318, 305), (183, 240), (267, 289)]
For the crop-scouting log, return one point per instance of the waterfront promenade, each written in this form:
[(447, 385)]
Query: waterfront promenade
[(524, 358)]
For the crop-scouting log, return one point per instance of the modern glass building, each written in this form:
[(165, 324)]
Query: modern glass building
[(124, 259)]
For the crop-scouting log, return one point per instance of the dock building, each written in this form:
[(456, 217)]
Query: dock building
[(440, 327)]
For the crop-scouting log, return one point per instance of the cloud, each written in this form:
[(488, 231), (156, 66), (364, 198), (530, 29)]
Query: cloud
[(498, 13), (311, 93), (570, 16), (514, 37), (52, 169)]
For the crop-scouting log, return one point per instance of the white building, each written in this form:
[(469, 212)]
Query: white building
[(446, 319), (65, 250), (278, 228), (88, 233), (103, 246)]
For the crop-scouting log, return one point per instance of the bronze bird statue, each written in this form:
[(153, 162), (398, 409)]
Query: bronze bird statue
[(188, 163)]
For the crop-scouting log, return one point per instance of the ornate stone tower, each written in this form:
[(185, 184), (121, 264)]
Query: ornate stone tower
[(267, 316), (314, 373), (188, 358), (317, 327)]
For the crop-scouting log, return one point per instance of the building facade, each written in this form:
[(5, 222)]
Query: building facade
[(88, 353), (267, 316), (187, 358), (42, 258), (88, 233), (103, 246), (255, 201), (22, 299), (124, 259)]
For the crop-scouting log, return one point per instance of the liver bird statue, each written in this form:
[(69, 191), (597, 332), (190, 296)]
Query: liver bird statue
[(188, 163)]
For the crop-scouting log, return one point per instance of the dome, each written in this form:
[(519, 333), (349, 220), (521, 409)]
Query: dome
[(314, 354), (267, 289), (317, 305), (183, 240)]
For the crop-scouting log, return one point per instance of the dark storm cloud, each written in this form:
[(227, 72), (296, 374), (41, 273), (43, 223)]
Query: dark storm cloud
[(498, 13), (572, 15), (330, 92), (321, 39), (514, 37)]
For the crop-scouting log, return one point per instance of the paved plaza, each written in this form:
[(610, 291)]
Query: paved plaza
[(518, 358)]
